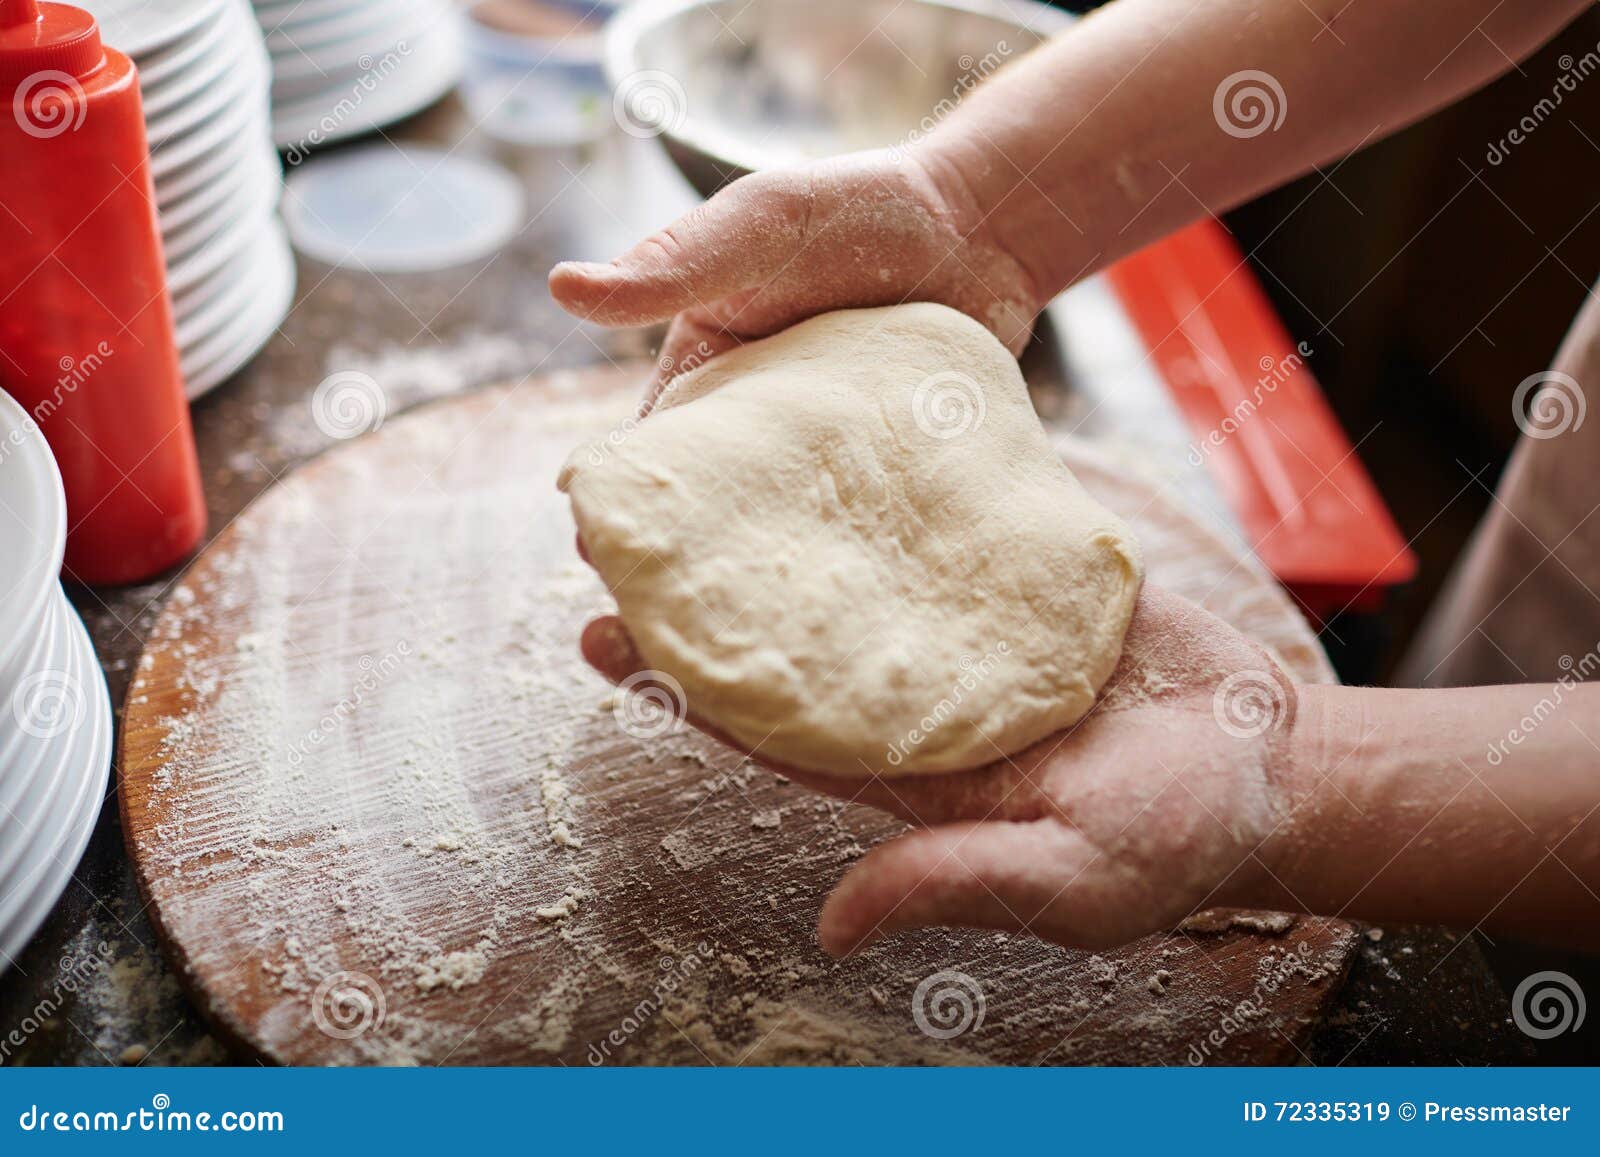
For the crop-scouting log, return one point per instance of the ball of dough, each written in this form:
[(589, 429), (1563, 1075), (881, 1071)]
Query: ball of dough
[(853, 546)]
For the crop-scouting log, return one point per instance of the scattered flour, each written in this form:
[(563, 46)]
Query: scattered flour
[(396, 670), (563, 907)]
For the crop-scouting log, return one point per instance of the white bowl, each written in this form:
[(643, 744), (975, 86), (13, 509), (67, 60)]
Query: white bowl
[(33, 535), (734, 86)]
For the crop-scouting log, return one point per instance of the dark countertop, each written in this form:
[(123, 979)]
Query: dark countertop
[(91, 985)]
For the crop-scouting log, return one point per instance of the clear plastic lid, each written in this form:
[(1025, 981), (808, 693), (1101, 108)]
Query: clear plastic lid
[(390, 209)]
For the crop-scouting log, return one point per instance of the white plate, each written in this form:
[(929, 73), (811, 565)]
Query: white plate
[(221, 356), (36, 798), (138, 27), (341, 63), (231, 119), (86, 767), (220, 257), (229, 81), (249, 205), (221, 51), (33, 529), (188, 276), (365, 61), (20, 749), (274, 12), (159, 69), (418, 81), (180, 182), (228, 33), (255, 166), (31, 756), (228, 294), (361, 24)]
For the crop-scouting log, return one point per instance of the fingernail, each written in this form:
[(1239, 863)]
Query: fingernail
[(586, 268)]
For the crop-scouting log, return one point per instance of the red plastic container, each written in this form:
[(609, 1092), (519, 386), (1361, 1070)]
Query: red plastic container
[(86, 335)]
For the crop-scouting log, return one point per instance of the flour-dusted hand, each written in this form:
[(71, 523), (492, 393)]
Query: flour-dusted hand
[(866, 229), (1172, 796)]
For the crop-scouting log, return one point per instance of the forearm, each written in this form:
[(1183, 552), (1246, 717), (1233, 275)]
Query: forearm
[(1472, 807), (1107, 138)]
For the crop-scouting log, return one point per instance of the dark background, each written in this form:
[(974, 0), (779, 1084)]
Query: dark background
[(1385, 261)]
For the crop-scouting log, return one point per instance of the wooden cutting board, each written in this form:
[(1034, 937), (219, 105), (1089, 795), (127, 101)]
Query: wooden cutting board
[(383, 812)]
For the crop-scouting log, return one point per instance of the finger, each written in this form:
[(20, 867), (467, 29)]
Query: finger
[(693, 339), (608, 648), (736, 239), (1008, 876)]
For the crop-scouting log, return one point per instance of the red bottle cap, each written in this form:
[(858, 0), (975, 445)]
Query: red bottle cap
[(37, 38)]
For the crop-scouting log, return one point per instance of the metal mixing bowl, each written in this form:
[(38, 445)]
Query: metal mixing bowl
[(734, 86)]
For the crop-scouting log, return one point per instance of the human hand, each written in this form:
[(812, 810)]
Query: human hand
[(865, 229), (1168, 797)]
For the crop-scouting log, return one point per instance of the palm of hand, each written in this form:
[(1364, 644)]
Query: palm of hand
[(1151, 807)]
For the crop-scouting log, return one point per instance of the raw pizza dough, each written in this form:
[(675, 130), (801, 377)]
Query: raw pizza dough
[(853, 547)]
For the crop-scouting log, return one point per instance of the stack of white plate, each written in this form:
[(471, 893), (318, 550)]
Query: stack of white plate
[(345, 67), (55, 714), (206, 80)]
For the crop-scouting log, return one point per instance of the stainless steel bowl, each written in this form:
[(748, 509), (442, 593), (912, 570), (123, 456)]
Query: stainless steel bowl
[(735, 86)]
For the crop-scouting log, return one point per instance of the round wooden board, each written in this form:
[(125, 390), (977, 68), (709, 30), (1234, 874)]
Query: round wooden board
[(361, 752)]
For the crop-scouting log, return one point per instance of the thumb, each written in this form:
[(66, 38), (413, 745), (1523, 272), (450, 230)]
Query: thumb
[(1034, 876), (739, 238), (609, 649)]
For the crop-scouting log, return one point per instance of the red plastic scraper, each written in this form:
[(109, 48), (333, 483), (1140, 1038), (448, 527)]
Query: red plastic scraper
[(1260, 422)]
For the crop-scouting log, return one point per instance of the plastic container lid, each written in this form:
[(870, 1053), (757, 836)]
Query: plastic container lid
[(400, 210)]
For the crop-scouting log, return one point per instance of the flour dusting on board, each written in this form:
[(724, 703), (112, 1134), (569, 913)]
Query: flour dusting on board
[(393, 818)]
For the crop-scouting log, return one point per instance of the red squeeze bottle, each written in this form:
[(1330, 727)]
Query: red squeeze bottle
[(86, 337)]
